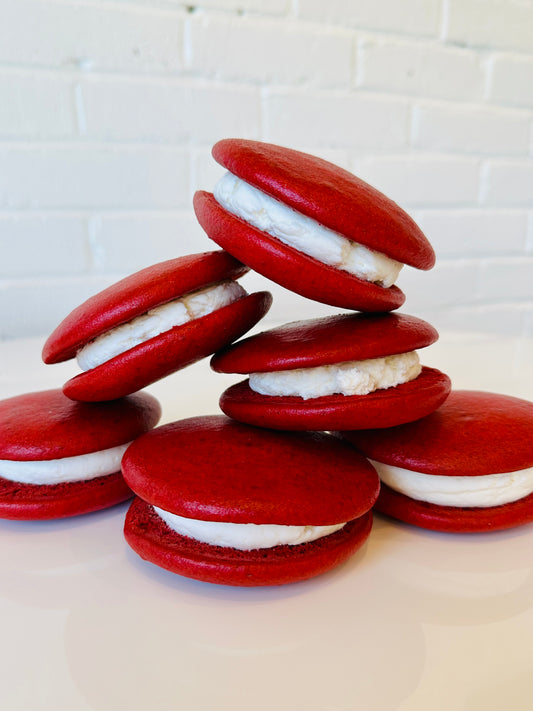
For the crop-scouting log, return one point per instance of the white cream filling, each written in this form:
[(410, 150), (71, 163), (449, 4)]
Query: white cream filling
[(350, 378), (68, 469), (470, 491), (244, 536), (304, 233), (158, 320)]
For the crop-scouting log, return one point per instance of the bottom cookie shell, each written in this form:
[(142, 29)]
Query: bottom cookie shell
[(154, 541), (381, 408), (453, 519), (32, 502)]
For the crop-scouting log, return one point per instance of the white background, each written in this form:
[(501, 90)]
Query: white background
[(108, 111)]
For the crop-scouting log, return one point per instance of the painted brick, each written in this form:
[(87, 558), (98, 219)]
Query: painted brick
[(419, 69), (424, 180), (474, 232), (170, 112), (272, 7), (499, 319), (286, 306), (129, 242), (508, 183), (43, 303), (418, 17), (36, 106), (426, 291), (470, 129), (90, 37), (511, 80), (506, 278), (270, 52), (205, 170), (22, 370), (491, 23), (529, 238), (332, 119), (43, 244), (93, 177)]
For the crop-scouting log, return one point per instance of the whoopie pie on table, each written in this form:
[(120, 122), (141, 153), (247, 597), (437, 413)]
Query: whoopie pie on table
[(348, 371), (153, 323), (311, 226), (467, 467), (61, 458), (223, 502)]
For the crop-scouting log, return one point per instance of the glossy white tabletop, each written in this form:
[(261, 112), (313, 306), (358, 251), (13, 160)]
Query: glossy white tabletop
[(416, 621)]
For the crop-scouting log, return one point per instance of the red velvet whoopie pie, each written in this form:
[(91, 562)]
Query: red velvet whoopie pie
[(153, 323), (61, 458), (219, 501), (467, 467), (310, 226), (349, 371)]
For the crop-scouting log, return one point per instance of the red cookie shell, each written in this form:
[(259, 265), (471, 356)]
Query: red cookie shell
[(30, 502), (47, 425), (329, 194), (216, 469), (135, 295), (169, 351), (155, 542), (324, 341), (289, 267), (381, 408), (472, 433), (454, 519)]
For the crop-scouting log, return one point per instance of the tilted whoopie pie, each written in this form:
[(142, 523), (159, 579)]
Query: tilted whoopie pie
[(467, 467), (153, 323), (311, 226), (348, 371), (223, 502), (61, 458)]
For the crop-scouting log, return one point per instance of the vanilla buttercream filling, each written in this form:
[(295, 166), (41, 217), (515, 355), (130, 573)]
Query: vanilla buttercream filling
[(465, 491), (348, 378), (158, 320), (244, 536), (304, 233), (82, 467)]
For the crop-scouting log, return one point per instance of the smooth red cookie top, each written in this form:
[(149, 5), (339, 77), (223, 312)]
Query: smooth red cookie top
[(48, 425), (216, 469), (323, 341), (329, 194), (472, 433), (135, 295)]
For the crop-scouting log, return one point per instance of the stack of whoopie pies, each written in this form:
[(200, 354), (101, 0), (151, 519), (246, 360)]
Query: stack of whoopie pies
[(279, 488), (265, 495)]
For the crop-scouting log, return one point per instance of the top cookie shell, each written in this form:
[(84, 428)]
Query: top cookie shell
[(325, 341), (216, 469), (135, 295), (472, 433), (330, 195), (48, 425)]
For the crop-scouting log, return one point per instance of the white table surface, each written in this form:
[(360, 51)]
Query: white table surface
[(415, 621)]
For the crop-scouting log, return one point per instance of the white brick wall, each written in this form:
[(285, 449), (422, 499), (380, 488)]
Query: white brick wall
[(108, 111), (504, 24), (269, 52), (511, 80), (412, 17), (419, 68)]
